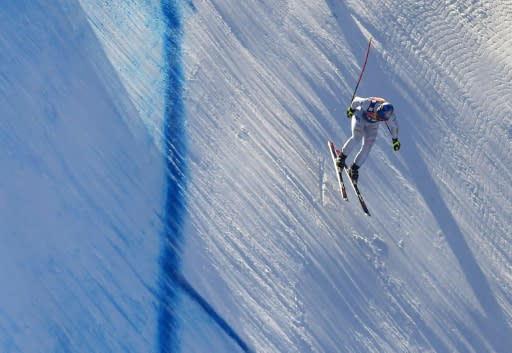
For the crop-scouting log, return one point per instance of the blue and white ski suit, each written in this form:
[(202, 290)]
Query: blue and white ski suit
[(365, 127)]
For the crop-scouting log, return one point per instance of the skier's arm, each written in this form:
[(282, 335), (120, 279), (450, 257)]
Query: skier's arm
[(393, 129), (356, 102)]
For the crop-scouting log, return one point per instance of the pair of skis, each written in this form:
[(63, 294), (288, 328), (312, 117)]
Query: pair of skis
[(341, 183)]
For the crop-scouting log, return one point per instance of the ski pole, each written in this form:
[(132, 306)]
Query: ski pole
[(389, 129), (362, 70), (390, 134)]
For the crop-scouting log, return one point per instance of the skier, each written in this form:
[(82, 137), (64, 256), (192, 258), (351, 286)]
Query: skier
[(365, 114)]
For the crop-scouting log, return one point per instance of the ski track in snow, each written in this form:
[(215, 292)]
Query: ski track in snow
[(433, 263), (474, 113)]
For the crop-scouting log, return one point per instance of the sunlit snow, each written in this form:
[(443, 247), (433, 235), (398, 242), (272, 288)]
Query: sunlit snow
[(166, 185)]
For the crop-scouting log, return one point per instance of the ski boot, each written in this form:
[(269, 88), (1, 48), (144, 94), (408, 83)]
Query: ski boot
[(353, 173), (340, 160)]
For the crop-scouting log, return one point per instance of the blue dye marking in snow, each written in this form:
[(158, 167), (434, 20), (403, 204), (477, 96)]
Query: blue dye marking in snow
[(175, 150), (228, 330), (171, 280)]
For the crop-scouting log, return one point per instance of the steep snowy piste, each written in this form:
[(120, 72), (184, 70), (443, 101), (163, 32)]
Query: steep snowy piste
[(292, 267), (272, 259), (93, 181), (81, 192)]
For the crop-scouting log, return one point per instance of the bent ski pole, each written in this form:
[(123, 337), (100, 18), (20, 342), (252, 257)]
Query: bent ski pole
[(362, 69)]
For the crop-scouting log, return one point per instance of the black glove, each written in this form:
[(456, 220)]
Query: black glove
[(396, 144), (350, 112)]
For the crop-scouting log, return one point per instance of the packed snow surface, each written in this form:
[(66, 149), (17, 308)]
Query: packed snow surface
[(266, 256)]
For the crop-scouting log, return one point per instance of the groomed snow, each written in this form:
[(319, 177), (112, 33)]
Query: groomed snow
[(273, 259)]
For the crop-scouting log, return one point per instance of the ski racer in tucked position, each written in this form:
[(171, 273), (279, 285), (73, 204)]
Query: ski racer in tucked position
[(365, 114)]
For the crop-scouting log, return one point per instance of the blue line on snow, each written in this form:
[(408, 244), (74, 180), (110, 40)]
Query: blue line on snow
[(175, 150), (228, 330), (171, 280)]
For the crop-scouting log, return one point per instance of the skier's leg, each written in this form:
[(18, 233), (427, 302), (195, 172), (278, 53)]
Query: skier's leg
[(355, 139), (369, 137)]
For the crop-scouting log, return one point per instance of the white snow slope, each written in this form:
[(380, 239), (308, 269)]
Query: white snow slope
[(272, 260)]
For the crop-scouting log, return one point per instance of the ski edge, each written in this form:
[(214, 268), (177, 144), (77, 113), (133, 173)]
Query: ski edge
[(339, 172), (358, 194)]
